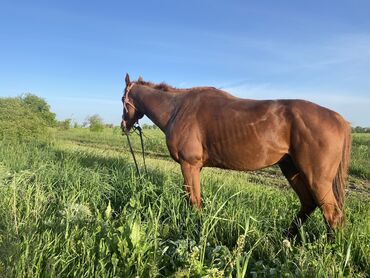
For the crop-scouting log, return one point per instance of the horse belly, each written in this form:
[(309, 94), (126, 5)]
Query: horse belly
[(246, 154), (248, 139)]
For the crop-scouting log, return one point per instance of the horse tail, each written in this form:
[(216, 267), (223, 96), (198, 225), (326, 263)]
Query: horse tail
[(339, 182)]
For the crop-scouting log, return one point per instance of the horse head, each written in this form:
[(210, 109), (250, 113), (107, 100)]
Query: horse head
[(131, 114)]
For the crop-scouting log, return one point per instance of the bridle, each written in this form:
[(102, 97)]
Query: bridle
[(135, 127), (126, 101)]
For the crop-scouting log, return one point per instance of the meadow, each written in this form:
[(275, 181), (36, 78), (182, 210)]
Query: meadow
[(72, 206)]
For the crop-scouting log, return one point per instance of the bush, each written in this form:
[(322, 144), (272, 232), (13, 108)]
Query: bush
[(40, 106), (96, 123), (65, 125), (149, 126), (359, 129), (18, 122)]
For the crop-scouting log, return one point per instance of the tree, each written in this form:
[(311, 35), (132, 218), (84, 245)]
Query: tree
[(149, 126), (96, 123), (66, 124), (18, 122), (40, 106)]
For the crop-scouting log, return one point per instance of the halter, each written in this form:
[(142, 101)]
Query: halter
[(126, 100)]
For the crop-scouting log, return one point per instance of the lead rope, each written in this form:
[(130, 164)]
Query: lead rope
[(138, 128), (142, 147), (133, 154)]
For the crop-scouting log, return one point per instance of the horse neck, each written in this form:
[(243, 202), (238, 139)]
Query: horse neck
[(155, 104)]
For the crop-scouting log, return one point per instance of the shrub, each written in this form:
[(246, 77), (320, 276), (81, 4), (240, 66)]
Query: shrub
[(40, 106), (96, 123), (65, 125), (18, 122)]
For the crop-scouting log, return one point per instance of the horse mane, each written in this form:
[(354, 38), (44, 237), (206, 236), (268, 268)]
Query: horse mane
[(161, 86), (168, 88)]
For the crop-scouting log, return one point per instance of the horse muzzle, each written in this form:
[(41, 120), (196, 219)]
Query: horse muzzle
[(124, 126)]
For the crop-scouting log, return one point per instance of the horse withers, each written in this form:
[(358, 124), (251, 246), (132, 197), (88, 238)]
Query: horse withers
[(207, 127)]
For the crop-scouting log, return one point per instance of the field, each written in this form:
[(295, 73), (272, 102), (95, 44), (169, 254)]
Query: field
[(72, 206)]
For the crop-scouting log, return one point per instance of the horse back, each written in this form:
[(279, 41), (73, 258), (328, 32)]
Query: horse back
[(243, 134)]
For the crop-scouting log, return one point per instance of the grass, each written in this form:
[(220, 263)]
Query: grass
[(73, 207), (360, 165)]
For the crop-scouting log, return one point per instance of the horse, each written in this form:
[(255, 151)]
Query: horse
[(208, 127)]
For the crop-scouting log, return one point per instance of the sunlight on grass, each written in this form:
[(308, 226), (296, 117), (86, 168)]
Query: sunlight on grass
[(75, 208)]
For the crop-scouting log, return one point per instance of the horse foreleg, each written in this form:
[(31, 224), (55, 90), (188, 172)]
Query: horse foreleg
[(191, 174)]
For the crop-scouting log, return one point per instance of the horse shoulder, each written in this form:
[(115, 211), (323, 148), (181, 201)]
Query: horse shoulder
[(184, 143)]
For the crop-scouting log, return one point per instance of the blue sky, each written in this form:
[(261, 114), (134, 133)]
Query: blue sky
[(75, 53)]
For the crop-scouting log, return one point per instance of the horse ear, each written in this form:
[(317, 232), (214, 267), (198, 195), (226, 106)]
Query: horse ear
[(140, 78), (127, 79)]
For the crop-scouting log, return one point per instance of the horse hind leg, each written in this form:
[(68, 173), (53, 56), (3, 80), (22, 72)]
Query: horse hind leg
[(327, 201), (297, 181), (320, 183)]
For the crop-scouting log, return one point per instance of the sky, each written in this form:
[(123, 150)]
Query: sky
[(75, 54)]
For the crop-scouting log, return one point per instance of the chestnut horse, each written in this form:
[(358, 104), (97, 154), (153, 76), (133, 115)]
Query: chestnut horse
[(207, 127)]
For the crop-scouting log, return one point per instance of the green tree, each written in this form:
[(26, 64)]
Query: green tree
[(18, 122), (96, 123), (66, 124), (39, 105)]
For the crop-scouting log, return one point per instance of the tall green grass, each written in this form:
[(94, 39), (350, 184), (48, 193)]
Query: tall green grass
[(70, 209), (360, 164), (112, 138)]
